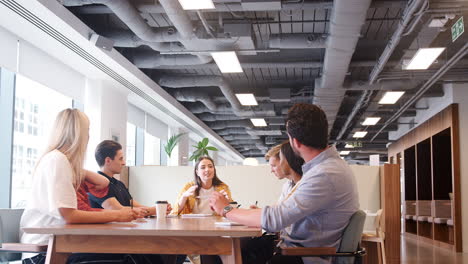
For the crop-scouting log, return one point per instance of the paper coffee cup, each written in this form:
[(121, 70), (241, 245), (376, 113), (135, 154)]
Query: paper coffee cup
[(161, 208)]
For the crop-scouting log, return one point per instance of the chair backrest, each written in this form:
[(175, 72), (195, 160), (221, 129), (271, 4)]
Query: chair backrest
[(10, 231), (352, 235), (378, 223)]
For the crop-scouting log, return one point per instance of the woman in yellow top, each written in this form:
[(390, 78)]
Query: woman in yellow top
[(194, 197)]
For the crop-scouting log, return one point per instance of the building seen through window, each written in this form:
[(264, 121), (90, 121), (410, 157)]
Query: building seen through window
[(36, 107)]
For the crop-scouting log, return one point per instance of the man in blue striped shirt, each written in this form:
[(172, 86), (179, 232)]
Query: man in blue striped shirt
[(319, 207)]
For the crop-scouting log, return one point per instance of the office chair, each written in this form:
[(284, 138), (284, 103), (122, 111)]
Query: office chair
[(10, 246), (349, 250)]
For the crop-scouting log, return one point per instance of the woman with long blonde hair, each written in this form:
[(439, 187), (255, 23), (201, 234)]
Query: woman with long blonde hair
[(58, 176)]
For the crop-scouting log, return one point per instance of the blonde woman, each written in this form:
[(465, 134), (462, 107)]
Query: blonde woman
[(57, 178), (194, 196)]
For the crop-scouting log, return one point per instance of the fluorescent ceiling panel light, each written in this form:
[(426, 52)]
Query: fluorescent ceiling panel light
[(344, 152), (424, 58), (349, 146), (227, 61), (196, 4), (247, 99), (371, 121), (258, 122), (391, 97), (360, 134)]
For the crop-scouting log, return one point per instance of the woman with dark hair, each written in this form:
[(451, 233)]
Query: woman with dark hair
[(194, 196), (291, 165)]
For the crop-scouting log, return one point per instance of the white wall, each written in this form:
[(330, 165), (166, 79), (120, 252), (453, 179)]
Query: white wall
[(248, 184)]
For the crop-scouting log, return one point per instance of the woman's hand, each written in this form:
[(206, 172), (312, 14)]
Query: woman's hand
[(223, 192), (190, 191), (125, 215)]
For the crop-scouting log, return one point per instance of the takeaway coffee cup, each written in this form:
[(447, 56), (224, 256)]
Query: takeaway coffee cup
[(161, 208)]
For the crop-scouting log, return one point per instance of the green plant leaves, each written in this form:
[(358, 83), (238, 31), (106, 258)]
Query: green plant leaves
[(171, 143), (202, 149)]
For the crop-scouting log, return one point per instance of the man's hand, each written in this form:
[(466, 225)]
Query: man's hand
[(140, 212), (217, 202)]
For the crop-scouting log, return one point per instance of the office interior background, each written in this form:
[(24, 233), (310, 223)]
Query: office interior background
[(145, 70)]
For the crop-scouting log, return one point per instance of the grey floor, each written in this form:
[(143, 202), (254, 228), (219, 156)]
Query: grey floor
[(418, 252)]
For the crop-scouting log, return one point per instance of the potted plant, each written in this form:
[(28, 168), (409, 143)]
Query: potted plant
[(202, 149), (171, 143)]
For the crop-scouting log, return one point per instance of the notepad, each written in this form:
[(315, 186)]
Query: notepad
[(226, 223), (195, 215)]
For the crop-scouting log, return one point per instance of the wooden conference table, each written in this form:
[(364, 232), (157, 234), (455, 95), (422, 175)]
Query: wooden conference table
[(166, 236)]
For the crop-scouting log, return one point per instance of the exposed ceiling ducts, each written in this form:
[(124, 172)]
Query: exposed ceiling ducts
[(331, 53)]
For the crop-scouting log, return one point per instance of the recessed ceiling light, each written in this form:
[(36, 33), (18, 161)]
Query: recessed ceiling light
[(344, 152), (227, 61), (371, 121), (391, 97), (247, 99), (258, 122), (424, 58), (349, 146), (360, 134), (196, 4)]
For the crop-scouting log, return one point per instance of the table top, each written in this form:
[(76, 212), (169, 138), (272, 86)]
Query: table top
[(172, 226)]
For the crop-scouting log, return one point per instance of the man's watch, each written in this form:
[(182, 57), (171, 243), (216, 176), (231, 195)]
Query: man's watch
[(227, 209)]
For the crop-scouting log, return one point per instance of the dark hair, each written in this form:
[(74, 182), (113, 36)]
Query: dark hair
[(308, 124), (216, 180), (107, 148), (294, 161)]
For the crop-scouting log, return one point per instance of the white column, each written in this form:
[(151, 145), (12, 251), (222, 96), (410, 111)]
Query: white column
[(106, 107)]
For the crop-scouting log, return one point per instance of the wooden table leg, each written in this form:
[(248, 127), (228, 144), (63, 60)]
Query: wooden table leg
[(53, 257), (236, 255)]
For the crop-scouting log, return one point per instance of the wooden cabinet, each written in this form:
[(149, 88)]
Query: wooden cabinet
[(429, 158)]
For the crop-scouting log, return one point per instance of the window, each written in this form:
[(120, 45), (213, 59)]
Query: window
[(131, 145), (36, 107), (152, 150)]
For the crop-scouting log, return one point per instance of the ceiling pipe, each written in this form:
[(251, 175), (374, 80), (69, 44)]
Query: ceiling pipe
[(274, 64), (409, 12), (126, 39), (393, 43), (130, 16), (203, 81), (183, 24), (347, 19), (232, 131), (223, 109), (215, 117), (193, 96), (152, 59), (224, 7), (428, 84), (297, 41), (228, 124), (236, 137)]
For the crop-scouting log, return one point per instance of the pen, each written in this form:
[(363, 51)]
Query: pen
[(239, 206), (256, 202), (131, 203)]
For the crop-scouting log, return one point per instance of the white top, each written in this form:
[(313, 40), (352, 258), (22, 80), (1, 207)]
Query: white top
[(202, 205), (52, 189)]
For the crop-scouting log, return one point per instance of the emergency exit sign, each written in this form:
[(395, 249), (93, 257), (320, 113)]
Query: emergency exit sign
[(457, 29)]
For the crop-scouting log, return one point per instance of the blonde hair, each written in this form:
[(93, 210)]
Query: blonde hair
[(273, 152), (70, 135)]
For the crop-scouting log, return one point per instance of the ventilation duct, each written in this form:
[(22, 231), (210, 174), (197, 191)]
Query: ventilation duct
[(297, 41), (228, 124), (232, 131), (211, 117), (193, 96), (241, 137), (346, 22), (126, 39)]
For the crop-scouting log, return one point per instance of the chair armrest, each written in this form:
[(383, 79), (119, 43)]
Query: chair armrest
[(19, 247), (307, 251)]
